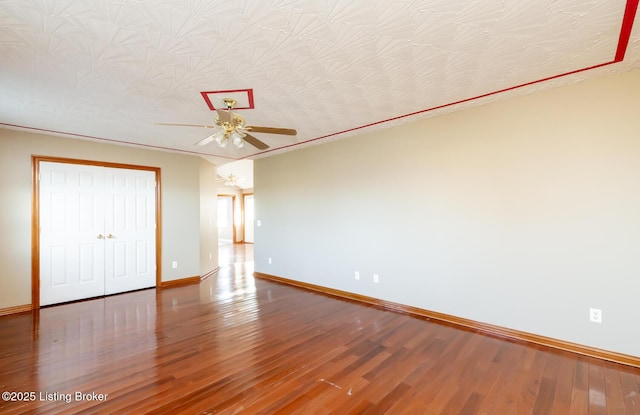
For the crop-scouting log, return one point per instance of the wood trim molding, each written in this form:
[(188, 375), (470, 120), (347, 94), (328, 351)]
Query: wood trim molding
[(180, 282), (35, 231), (158, 227), (233, 213), (243, 216), (35, 215), (459, 321), (15, 309)]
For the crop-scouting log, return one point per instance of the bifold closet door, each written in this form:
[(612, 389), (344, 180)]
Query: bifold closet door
[(97, 231), (130, 230), (71, 232)]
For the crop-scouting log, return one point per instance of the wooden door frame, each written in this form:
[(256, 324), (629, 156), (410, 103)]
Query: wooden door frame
[(35, 215), (233, 213), (244, 217)]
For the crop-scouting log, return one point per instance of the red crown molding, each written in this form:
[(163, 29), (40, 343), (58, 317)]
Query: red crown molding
[(625, 30), (248, 91), (623, 42)]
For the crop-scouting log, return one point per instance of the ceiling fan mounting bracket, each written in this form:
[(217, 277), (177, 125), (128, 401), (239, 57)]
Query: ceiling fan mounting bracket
[(229, 103)]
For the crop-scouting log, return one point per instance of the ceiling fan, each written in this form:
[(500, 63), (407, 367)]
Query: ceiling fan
[(232, 127), (231, 180)]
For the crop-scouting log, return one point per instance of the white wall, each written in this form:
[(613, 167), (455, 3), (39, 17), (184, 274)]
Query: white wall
[(521, 213), (181, 203)]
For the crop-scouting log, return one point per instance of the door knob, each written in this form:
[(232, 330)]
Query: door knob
[(110, 236), (100, 236)]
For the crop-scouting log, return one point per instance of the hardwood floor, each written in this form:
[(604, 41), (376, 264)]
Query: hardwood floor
[(238, 345)]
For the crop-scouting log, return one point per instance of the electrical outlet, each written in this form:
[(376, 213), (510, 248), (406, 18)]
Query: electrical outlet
[(376, 278), (356, 274), (269, 260), (174, 264), (595, 315)]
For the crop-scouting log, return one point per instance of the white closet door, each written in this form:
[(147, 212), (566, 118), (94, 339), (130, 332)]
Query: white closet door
[(130, 229), (97, 231), (71, 229)]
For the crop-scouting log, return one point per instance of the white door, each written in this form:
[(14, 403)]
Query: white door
[(130, 230), (97, 231), (71, 232)]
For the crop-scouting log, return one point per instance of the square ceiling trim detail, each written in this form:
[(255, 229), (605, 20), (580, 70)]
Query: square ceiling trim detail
[(243, 97)]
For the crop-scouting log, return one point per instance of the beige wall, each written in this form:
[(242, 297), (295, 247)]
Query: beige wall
[(522, 213), (182, 234)]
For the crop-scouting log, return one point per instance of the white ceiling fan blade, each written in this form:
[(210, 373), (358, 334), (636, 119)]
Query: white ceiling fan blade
[(205, 141), (186, 125)]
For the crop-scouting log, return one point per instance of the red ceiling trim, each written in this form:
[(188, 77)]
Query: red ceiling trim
[(625, 31), (249, 91), (623, 41), (462, 101)]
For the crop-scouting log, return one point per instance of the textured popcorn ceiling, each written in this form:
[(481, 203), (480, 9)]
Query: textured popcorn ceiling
[(109, 70)]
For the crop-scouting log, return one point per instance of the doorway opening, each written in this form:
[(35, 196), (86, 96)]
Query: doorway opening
[(226, 219), (248, 213)]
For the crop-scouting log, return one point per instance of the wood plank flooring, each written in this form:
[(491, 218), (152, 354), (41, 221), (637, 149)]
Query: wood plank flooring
[(238, 345)]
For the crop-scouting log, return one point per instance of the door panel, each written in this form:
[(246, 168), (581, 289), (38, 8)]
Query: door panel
[(130, 221), (71, 220), (87, 266), (143, 264), (58, 262), (118, 257)]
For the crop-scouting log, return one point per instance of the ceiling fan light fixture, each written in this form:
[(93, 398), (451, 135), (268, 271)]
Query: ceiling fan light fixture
[(237, 139), (221, 138), (231, 180), (229, 126)]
